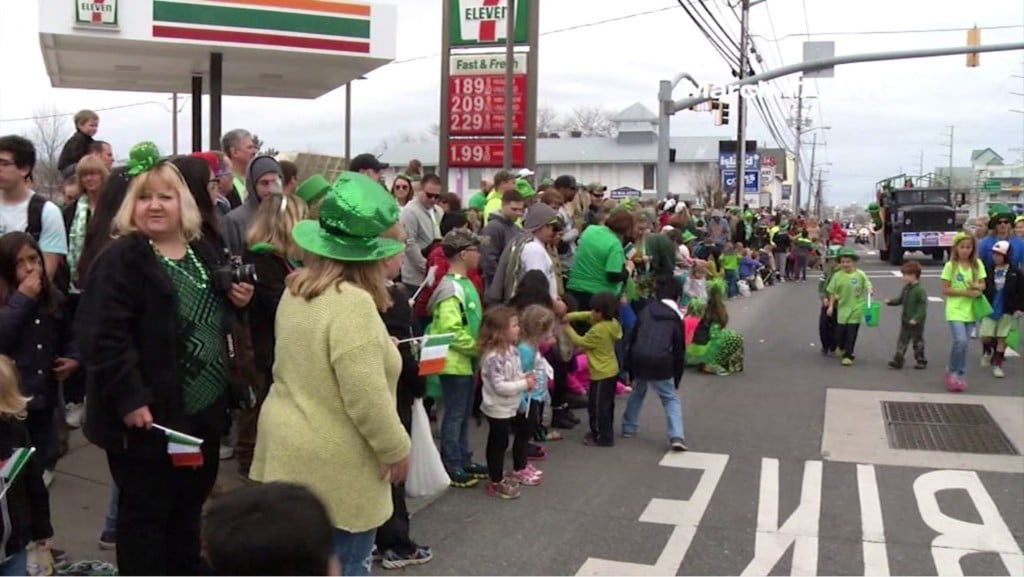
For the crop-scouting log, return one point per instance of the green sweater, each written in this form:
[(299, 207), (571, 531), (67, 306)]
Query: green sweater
[(598, 343), (730, 261), (914, 301), (455, 306)]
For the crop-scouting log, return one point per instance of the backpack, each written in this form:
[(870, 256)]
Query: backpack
[(36, 204), (652, 342)]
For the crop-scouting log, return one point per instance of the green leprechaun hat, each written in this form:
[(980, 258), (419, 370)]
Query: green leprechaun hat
[(313, 189), (353, 215), (999, 212)]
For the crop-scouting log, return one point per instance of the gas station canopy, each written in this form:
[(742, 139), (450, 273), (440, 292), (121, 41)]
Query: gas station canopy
[(275, 48)]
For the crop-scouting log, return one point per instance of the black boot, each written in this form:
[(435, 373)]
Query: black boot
[(896, 363), (562, 418)]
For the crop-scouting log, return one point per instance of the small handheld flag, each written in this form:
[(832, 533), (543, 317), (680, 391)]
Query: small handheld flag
[(14, 464), (185, 450), (434, 354)]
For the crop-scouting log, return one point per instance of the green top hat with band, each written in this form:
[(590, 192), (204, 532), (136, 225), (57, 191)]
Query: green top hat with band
[(999, 212), (313, 189), (355, 212)]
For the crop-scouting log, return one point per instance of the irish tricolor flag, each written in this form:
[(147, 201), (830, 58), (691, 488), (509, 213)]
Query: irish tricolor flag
[(185, 450), (434, 353)]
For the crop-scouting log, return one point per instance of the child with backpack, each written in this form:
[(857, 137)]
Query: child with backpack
[(655, 356), (1004, 289), (599, 344), (455, 309)]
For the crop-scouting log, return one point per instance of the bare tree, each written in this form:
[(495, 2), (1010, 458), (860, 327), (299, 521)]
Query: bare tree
[(548, 121), (49, 133), (434, 129), (590, 121), (707, 186)]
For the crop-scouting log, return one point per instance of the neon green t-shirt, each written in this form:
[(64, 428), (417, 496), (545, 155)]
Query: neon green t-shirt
[(240, 188), (599, 252), (961, 309), (851, 292), (730, 261)]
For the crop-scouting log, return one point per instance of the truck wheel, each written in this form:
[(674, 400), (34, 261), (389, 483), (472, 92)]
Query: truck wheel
[(883, 255), (939, 255), (895, 251)]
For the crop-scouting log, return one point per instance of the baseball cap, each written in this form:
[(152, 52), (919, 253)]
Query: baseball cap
[(524, 172), (596, 187), (460, 239), (1002, 247), (366, 161), (566, 181)]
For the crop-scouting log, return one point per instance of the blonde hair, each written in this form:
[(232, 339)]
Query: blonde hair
[(191, 221), (274, 221), (536, 323), (11, 401), (319, 274), (90, 165)]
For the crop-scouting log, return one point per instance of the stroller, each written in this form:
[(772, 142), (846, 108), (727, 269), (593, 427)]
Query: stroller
[(764, 256)]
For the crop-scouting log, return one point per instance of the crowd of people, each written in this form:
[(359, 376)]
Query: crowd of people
[(187, 310)]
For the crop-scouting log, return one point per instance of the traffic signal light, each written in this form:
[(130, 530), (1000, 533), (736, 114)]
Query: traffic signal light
[(722, 114), (973, 39)]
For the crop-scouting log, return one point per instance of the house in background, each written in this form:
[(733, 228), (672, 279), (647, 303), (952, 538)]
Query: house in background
[(629, 159), (987, 181)]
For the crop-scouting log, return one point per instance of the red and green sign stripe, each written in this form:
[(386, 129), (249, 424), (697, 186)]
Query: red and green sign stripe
[(313, 24)]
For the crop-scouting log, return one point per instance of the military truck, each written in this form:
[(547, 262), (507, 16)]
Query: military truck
[(913, 214)]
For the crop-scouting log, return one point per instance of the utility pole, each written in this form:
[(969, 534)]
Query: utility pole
[(799, 141), (174, 123), (817, 198), (510, 64), (920, 164), (950, 158), (741, 112), (810, 173)]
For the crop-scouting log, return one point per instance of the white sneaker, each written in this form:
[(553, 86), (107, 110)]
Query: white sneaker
[(47, 478), (985, 361), (226, 453), (998, 373), (75, 414)]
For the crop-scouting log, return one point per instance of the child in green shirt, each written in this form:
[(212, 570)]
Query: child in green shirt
[(599, 344), (730, 262), (915, 310), (848, 290), (827, 321)]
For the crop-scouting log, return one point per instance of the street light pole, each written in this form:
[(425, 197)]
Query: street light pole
[(174, 123), (665, 113), (814, 150), (799, 141), (741, 113)]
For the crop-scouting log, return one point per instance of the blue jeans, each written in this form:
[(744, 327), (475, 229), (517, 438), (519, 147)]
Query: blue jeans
[(110, 525), (354, 551), (457, 391), (16, 565), (666, 391), (732, 278), (961, 342)]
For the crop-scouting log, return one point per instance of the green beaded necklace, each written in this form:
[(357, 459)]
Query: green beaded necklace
[(203, 281)]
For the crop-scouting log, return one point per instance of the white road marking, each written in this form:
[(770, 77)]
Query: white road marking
[(800, 530), (935, 299), (956, 537), (897, 273), (876, 558)]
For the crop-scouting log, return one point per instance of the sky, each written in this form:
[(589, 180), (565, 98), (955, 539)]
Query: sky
[(882, 116)]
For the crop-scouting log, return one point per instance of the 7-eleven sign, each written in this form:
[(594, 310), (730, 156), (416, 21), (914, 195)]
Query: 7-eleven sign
[(96, 12), (484, 22)]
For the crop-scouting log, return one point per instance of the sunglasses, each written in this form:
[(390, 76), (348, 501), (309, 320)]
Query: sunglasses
[(1002, 221), (433, 196), (401, 187)]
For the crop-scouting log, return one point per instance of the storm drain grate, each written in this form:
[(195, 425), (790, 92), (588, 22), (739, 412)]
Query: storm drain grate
[(950, 427)]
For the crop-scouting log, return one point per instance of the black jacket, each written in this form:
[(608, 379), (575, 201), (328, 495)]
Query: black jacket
[(271, 272), (1013, 290), (74, 149), (656, 349), (34, 339), (26, 506), (400, 324), (127, 324)]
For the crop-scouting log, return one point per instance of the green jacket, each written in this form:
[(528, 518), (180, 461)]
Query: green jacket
[(830, 270), (455, 308), (598, 343), (914, 301)]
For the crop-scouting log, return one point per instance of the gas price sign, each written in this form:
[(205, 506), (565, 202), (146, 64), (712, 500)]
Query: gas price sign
[(476, 101), (483, 153)]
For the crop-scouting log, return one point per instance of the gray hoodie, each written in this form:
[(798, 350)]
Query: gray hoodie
[(237, 222)]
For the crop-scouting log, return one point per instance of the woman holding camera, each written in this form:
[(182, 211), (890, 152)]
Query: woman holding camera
[(273, 255), (152, 326)]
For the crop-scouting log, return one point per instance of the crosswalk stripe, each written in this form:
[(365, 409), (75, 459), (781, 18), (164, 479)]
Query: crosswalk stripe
[(935, 299)]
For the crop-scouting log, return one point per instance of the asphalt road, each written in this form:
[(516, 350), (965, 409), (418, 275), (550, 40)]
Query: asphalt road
[(758, 474), (789, 472)]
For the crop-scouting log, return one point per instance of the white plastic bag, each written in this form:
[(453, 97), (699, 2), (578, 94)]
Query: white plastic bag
[(758, 282), (744, 288), (427, 476)]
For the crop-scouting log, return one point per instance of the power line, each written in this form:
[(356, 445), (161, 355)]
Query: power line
[(883, 32), (403, 61), (721, 52)]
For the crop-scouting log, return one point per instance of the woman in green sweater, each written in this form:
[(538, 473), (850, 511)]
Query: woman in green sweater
[(329, 422)]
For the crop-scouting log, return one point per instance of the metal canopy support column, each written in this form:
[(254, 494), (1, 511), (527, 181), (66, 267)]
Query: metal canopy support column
[(216, 92), (532, 76), (445, 113), (510, 65), (197, 113)]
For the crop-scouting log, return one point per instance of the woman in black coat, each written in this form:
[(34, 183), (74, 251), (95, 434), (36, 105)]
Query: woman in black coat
[(152, 324)]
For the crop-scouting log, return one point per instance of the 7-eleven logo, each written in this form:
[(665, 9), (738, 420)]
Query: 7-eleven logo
[(97, 11), (482, 21)]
